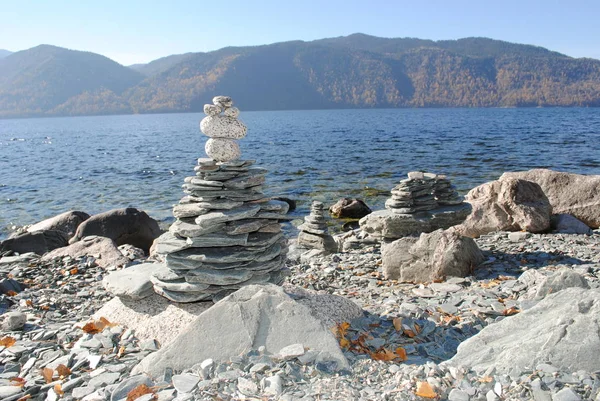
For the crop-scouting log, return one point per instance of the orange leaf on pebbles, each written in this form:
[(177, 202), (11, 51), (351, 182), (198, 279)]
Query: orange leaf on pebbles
[(424, 390), (47, 374), (401, 352), (397, 321), (7, 341), (139, 391)]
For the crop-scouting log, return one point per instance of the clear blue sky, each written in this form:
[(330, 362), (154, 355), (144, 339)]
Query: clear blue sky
[(133, 31)]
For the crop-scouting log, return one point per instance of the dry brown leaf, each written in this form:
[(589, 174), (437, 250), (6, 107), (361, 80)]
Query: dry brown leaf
[(397, 321), (7, 341), (11, 293), (417, 328), (383, 355), (485, 379), (17, 381), (47, 374), (29, 303), (58, 390), (401, 352), (344, 343), (25, 397), (510, 311), (63, 371), (121, 351), (424, 390), (107, 323), (139, 391), (74, 271), (409, 333)]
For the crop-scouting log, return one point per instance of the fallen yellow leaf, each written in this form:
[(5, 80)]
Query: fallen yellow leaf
[(424, 390)]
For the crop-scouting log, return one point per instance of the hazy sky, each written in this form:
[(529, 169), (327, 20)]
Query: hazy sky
[(132, 31)]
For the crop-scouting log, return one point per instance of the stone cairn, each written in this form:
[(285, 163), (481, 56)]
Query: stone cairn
[(422, 192), (313, 232), (227, 233)]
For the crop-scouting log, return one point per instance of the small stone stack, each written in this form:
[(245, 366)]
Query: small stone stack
[(227, 233), (444, 192), (313, 233), (414, 194)]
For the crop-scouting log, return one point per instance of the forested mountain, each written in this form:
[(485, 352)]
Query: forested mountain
[(352, 71), (4, 53), (49, 80)]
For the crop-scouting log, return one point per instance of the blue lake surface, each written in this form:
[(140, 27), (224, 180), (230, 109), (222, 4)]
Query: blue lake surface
[(95, 164)]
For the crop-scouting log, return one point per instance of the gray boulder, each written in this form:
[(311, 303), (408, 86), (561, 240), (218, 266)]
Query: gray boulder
[(562, 330), (133, 282), (574, 194), (254, 316), (507, 204), (567, 224), (38, 242), (66, 222), (387, 224), (124, 226), (431, 257), (102, 249), (559, 280), (13, 321)]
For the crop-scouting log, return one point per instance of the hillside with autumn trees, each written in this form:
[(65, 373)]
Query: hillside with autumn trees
[(356, 71)]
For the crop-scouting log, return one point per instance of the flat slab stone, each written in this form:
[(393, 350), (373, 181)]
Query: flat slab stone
[(387, 224), (246, 225), (224, 254), (153, 317), (132, 282), (219, 277), (562, 330), (167, 243), (186, 229), (218, 239), (189, 210), (223, 216), (215, 204), (263, 315)]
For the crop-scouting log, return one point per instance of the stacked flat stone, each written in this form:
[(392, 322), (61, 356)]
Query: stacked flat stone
[(313, 232), (444, 192), (227, 233), (414, 194)]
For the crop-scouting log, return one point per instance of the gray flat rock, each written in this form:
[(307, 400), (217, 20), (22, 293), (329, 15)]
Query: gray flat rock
[(189, 210), (187, 229), (246, 226), (217, 239), (167, 243), (263, 316), (132, 282), (219, 277), (222, 216), (223, 255), (556, 331)]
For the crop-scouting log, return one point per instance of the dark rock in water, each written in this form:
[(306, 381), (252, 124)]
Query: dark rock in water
[(124, 226), (289, 201), (38, 242), (574, 194), (508, 204), (348, 208), (66, 222), (431, 257)]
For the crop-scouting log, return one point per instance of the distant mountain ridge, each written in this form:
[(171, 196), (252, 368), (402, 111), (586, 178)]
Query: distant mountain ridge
[(356, 71), (4, 53)]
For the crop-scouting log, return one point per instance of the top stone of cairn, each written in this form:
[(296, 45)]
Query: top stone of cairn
[(223, 128)]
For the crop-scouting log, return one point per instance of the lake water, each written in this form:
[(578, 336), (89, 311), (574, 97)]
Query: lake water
[(96, 164)]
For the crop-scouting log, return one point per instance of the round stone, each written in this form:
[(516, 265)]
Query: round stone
[(232, 112), (211, 110), (222, 101), (222, 150), (223, 127)]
